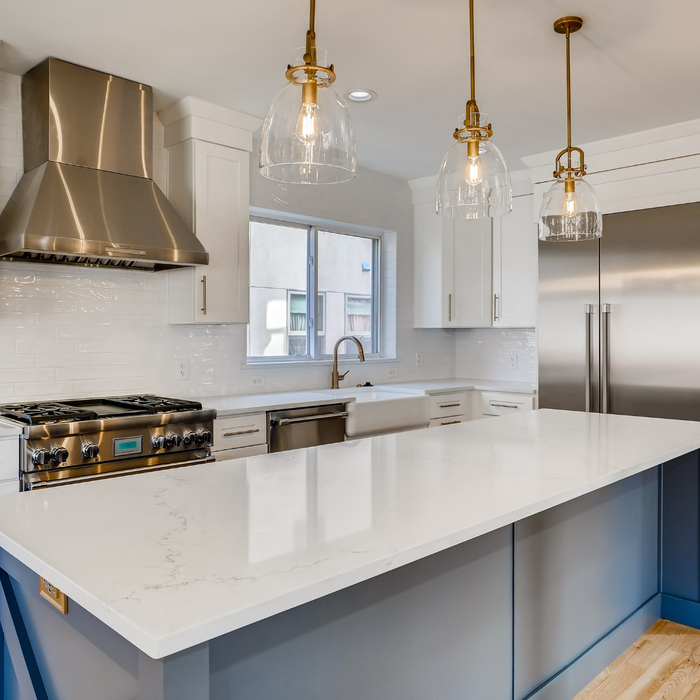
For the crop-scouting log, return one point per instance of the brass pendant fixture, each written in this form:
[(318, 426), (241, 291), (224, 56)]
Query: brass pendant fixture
[(570, 209), (473, 182), (307, 136)]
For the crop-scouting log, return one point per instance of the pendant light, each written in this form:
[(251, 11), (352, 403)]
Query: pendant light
[(307, 136), (473, 182), (570, 210)]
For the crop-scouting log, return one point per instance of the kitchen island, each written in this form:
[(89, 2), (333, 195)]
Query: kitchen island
[(508, 558)]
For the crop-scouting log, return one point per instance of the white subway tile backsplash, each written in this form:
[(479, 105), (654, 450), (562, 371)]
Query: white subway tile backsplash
[(97, 387), (22, 375), (29, 347), (33, 390), (73, 373), (116, 358), (72, 360), (485, 354), (16, 362), (57, 306)]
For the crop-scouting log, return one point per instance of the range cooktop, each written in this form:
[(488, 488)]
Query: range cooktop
[(42, 412)]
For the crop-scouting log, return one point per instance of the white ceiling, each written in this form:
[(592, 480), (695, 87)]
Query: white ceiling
[(635, 62)]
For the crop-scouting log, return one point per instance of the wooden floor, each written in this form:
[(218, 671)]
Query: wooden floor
[(663, 664)]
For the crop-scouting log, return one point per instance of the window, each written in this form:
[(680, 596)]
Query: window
[(290, 264)]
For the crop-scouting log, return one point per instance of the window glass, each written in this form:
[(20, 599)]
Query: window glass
[(278, 272), (284, 260), (345, 277)]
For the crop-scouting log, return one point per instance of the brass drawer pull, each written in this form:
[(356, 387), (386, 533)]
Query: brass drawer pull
[(505, 405), (450, 405), (243, 432), (451, 422)]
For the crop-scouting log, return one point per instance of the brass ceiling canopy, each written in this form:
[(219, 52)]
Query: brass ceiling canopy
[(568, 25)]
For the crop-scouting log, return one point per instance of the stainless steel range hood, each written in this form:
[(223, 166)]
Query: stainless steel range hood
[(87, 196)]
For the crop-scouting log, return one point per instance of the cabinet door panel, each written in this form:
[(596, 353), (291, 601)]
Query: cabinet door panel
[(515, 266), (467, 265), (221, 224)]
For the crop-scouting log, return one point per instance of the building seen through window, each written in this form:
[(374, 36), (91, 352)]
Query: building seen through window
[(288, 263)]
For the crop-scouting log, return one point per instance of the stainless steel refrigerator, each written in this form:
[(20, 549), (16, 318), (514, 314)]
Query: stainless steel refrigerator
[(619, 317)]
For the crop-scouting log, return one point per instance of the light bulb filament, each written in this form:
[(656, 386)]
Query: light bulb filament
[(307, 123), (474, 175)]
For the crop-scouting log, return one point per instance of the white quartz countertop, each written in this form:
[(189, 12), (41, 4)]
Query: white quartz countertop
[(8, 428), (241, 404), (173, 558), (437, 386)]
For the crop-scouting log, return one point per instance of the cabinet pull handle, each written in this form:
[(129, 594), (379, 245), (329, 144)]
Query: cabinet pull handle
[(504, 405), (451, 422), (243, 432), (449, 405), (204, 294), (449, 307), (495, 307), (307, 419)]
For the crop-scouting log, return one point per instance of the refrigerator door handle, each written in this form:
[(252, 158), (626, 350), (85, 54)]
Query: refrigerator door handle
[(588, 311), (604, 356)]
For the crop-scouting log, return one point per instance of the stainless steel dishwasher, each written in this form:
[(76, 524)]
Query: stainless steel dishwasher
[(306, 427)]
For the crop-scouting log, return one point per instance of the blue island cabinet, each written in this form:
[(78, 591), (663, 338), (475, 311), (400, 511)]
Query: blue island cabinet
[(533, 610)]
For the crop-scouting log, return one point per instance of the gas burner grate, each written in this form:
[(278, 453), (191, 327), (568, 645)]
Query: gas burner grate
[(158, 404), (46, 412)]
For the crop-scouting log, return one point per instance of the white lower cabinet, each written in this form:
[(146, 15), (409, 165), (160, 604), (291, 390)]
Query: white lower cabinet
[(240, 436), (479, 273), (496, 403), (9, 464), (451, 408)]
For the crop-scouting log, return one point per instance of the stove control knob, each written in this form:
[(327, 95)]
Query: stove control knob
[(203, 436), (159, 442), (175, 439), (189, 437), (90, 450), (59, 454), (40, 458)]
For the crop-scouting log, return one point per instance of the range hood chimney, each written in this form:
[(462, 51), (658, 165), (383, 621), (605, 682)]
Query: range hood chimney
[(87, 196)]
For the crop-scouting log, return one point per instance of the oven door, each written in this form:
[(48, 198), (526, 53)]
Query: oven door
[(49, 478)]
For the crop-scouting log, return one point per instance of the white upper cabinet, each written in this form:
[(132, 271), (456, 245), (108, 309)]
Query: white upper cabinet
[(479, 273), (515, 266), (467, 273), (208, 184)]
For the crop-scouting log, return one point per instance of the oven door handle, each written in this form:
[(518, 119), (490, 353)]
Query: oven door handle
[(307, 419)]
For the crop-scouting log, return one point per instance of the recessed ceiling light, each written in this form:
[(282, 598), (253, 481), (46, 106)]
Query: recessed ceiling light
[(361, 95)]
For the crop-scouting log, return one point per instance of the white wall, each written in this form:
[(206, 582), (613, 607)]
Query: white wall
[(72, 331)]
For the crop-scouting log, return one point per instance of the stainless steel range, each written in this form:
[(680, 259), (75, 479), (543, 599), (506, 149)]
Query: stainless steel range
[(85, 439)]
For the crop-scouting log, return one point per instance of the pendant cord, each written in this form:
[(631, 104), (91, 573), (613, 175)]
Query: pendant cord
[(568, 92), (471, 48)]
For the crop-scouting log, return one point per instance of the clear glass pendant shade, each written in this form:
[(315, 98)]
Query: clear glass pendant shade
[(472, 186), (570, 216), (308, 143)]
